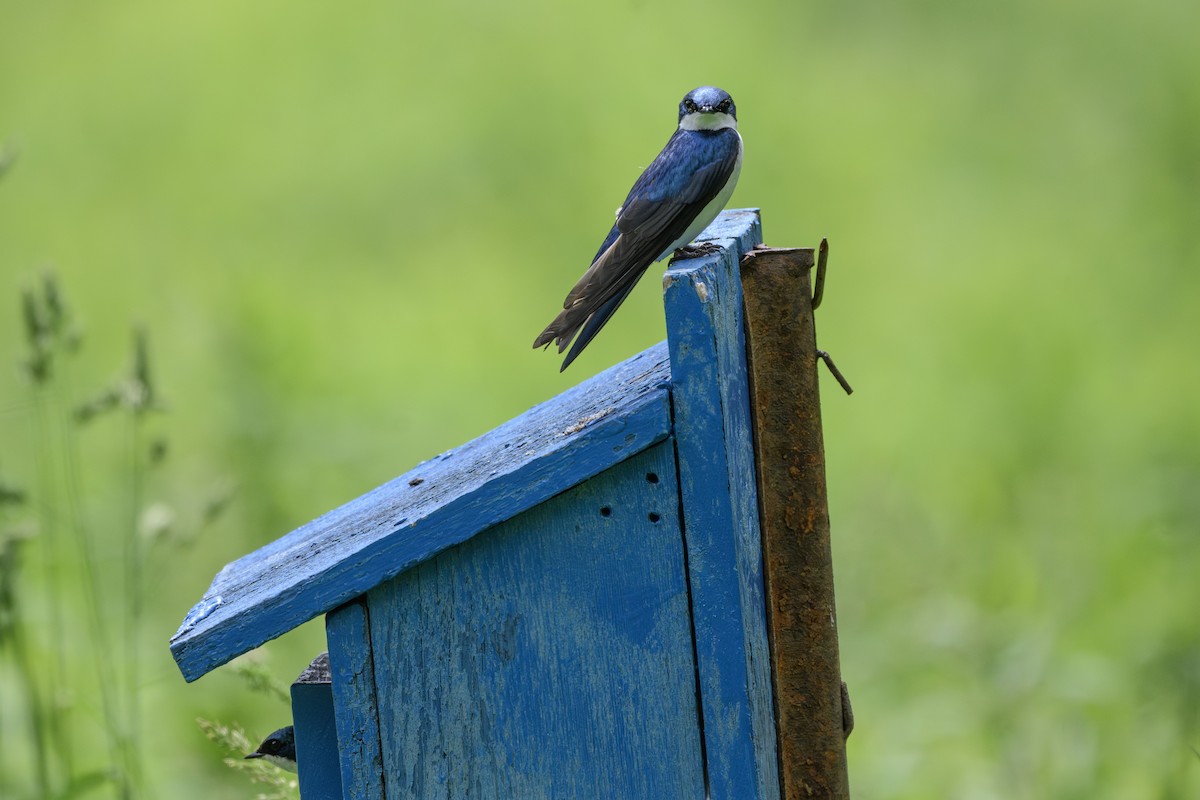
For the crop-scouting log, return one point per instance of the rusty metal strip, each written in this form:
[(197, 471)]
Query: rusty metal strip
[(790, 456)]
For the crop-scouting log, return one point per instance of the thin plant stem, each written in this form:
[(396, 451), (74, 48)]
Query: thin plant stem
[(133, 620), (98, 628), (35, 705), (56, 665)]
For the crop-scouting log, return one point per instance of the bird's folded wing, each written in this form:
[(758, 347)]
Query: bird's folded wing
[(660, 207), (657, 212)]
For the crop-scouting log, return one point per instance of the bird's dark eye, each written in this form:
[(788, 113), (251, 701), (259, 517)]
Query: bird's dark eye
[(689, 105)]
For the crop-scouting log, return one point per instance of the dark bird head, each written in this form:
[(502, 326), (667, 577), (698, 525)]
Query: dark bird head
[(279, 749), (707, 108)]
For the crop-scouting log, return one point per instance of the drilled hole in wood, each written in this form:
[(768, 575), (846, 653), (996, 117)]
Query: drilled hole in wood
[(653, 517), (605, 511), (652, 477)]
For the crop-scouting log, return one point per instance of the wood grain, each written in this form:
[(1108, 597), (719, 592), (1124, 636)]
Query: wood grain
[(549, 658), (355, 701), (720, 514)]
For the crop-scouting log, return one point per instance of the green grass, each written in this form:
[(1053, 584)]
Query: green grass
[(342, 229)]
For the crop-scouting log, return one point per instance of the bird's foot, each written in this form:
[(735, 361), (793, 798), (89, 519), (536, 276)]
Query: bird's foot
[(696, 250)]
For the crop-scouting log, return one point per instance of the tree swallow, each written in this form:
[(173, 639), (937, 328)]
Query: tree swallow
[(279, 749), (675, 199)]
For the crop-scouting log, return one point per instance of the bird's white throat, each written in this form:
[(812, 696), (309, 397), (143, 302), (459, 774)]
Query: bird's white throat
[(713, 121), (280, 761)]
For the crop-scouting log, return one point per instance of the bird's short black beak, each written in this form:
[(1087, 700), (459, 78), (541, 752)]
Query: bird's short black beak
[(707, 109), (253, 755)]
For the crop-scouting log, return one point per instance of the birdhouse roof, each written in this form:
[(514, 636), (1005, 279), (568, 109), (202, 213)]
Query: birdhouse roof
[(436, 505)]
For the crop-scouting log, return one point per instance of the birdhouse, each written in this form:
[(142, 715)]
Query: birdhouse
[(570, 606)]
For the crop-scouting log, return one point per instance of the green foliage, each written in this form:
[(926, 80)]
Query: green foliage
[(41, 618), (234, 741), (344, 228), (260, 679)]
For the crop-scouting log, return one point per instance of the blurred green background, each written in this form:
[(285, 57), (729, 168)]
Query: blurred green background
[(342, 227)]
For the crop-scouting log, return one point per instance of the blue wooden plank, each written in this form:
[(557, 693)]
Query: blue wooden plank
[(440, 503), (714, 443), (355, 710), (316, 734), (738, 229), (550, 658)]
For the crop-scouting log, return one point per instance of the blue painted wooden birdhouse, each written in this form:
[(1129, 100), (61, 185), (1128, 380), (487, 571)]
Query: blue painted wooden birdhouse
[(570, 606)]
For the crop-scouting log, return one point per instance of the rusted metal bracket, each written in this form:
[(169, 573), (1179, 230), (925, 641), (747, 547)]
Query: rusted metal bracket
[(835, 372), (819, 281), (811, 704), (818, 294)]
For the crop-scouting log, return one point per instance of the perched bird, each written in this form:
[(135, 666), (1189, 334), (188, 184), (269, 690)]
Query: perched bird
[(675, 198), (279, 749)]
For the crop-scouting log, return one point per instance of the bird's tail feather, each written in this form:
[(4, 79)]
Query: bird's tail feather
[(592, 326), (562, 329)]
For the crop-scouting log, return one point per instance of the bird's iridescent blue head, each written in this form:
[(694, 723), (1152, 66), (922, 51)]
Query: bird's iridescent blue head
[(279, 749), (707, 108)]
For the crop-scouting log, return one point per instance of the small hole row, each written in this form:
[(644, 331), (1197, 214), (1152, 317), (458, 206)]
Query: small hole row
[(651, 477), (606, 511)]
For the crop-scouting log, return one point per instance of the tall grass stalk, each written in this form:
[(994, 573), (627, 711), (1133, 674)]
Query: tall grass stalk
[(98, 634), (13, 637), (39, 335), (52, 324), (140, 400)]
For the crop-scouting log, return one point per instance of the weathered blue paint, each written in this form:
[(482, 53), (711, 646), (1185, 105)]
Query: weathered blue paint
[(739, 229), (354, 694), (549, 658), (316, 734), (714, 442), (437, 505)]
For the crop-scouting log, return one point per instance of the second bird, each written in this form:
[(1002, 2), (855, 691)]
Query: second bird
[(675, 199)]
